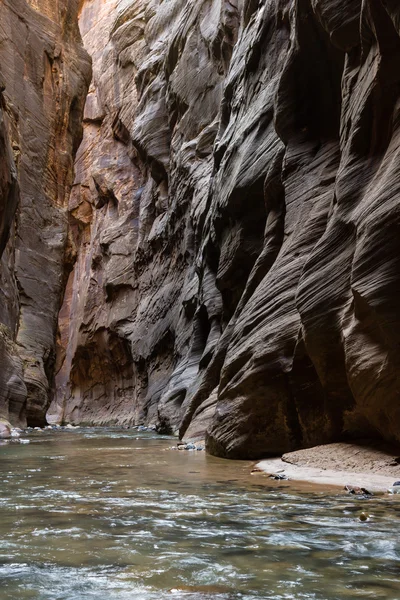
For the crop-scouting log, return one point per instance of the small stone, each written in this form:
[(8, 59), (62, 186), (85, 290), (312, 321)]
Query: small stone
[(190, 447), (278, 476), (364, 517), (357, 491), (5, 431)]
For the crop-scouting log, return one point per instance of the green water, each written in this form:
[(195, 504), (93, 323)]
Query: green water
[(117, 515)]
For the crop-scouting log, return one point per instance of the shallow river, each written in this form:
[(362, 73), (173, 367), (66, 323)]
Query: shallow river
[(118, 515)]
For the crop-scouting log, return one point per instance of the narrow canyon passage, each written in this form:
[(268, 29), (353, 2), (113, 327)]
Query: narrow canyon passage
[(199, 261), (199, 219), (222, 285)]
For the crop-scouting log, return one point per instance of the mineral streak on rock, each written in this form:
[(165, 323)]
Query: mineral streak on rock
[(43, 80), (233, 258)]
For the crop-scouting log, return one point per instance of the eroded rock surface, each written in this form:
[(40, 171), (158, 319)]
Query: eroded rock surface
[(134, 331), (234, 215), (43, 78), (236, 210)]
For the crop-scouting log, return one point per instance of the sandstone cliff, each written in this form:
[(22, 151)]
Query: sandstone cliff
[(44, 72), (236, 209), (235, 218)]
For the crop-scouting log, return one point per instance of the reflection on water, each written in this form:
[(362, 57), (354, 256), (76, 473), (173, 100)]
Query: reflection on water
[(118, 515)]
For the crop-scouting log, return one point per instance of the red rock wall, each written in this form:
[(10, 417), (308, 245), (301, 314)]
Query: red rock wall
[(95, 370), (44, 70)]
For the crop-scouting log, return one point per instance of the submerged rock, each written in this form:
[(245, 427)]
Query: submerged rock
[(278, 476), (358, 491), (190, 446)]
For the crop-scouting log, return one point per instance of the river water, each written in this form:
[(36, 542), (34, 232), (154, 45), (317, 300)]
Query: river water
[(118, 515)]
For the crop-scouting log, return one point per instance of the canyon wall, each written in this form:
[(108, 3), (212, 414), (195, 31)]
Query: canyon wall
[(44, 73), (236, 215), (227, 261)]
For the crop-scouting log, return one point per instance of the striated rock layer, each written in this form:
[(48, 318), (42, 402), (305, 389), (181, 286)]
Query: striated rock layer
[(225, 256), (44, 72), (236, 216)]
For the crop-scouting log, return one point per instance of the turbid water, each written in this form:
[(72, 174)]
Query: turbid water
[(117, 515)]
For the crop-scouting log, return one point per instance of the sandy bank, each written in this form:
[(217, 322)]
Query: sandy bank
[(365, 465)]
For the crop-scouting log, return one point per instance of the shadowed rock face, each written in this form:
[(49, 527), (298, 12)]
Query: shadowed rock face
[(44, 71), (234, 215)]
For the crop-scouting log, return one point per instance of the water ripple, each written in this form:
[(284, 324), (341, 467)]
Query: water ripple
[(96, 513)]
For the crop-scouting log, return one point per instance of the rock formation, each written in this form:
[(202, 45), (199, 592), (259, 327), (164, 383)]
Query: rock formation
[(44, 73), (232, 262)]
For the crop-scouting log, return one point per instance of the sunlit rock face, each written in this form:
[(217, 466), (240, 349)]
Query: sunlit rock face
[(44, 72), (95, 372)]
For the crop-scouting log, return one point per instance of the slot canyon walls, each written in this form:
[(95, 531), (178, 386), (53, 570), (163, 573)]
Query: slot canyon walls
[(44, 72), (236, 210), (232, 264), (134, 328)]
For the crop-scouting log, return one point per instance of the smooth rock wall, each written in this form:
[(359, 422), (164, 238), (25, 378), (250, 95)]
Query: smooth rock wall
[(133, 330), (312, 354)]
